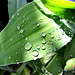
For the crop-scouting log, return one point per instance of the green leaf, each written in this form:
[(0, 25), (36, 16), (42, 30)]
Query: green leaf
[(62, 8), (55, 66), (36, 65), (30, 35), (70, 65), (14, 5), (47, 58), (70, 50)]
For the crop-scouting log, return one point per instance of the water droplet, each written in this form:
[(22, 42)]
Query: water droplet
[(16, 59), (22, 35), (48, 42), (21, 31), (55, 49), (40, 20), (16, 52), (49, 48), (38, 32), (73, 17), (42, 9), (23, 16), (17, 14), (18, 27), (19, 49), (18, 42), (43, 41), (52, 36), (43, 47), (43, 34), (38, 24), (21, 25), (35, 53), (9, 57), (28, 52), (33, 27), (11, 39), (27, 18), (23, 21), (26, 38), (28, 46), (38, 46)]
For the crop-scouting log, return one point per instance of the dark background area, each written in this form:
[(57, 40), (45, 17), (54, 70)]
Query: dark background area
[(4, 18)]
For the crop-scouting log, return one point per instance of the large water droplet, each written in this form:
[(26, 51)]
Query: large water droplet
[(43, 47), (35, 53), (43, 41), (28, 46), (43, 34), (38, 46), (18, 27)]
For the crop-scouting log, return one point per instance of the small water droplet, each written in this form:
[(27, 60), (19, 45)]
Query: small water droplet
[(55, 49), (48, 42), (38, 24), (43, 41), (40, 20), (28, 52), (52, 36), (49, 48), (38, 32), (18, 27), (19, 49), (21, 25), (21, 31), (23, 16), (17, 14), (23, 21), (27, 18), (18, 42), (43, 34), (11, 39), (33, 27), (42, 9), (16, 59), (22, 35), (38, 46), (43, 47), (51, 42), (28, 46), (35, 53), (9, 57), (26, 38), (16, 52)]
